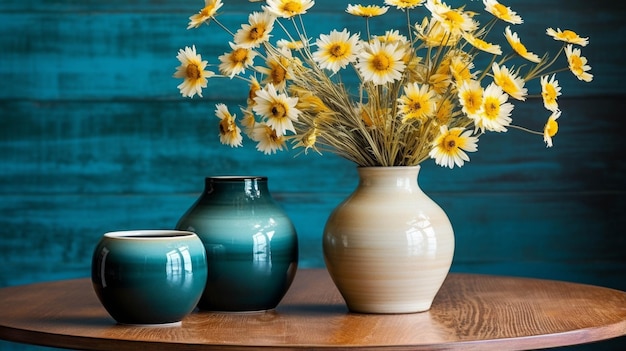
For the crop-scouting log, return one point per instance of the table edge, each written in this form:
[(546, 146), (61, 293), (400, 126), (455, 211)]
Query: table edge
[(567, 338)]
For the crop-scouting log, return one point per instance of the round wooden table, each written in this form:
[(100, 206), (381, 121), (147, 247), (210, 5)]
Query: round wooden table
[(471, 312)]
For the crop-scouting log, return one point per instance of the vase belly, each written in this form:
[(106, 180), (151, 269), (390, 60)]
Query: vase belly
[(388, 247)]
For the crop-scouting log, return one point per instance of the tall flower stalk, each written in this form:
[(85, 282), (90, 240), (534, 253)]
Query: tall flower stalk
[(418, 93)]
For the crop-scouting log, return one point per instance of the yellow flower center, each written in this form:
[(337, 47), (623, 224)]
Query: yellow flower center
[(506, 83), (366, 118), (407, 3), (271, 134), (549, 93), (278, 110), (472, 101), (569, 35), (519, 48), (500, 11), (309, 139), (453, 18), (208, 11), (292, 7), (444, 111), (576, 63), (481, 44), (415, 105), (461, 75), (252, 92), (256, 32), (227, 126), (381, 62), (552, 127), (366, 11), (192, 71), (491, 108), (449, 143), (338, 50), (278, 74), (239, 55)]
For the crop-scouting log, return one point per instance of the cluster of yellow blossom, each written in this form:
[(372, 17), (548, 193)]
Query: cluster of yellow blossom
[(419, 93)]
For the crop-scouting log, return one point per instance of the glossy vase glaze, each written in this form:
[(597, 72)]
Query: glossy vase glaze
[(149, 276), (388, 247), (251, 244)]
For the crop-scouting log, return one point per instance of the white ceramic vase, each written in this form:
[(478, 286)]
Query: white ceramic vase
[(388, 247)]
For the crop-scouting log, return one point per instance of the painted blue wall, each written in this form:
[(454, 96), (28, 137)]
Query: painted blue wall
[(95, 137)]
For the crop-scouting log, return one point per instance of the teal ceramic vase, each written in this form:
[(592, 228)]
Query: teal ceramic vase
[(149, 277), (251, 244)]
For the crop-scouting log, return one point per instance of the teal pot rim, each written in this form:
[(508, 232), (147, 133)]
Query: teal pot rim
[(235, 178), (151, 234)]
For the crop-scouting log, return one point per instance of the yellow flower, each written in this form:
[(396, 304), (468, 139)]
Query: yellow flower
[(512, 85), (192, 70), (290, 44), (248, 121), (433, 34), (392, 36), (417, 102), (277, 70), (425, 88), (336, 50), (454, 21), (471, 98), (364, 112), (236, 61), (551, 128), (308, 101), (288, 8), (450, 146), (502, 12), (444, 110), (482, 45), (404, 4), (230, 133), (567, 36), (267, 139), (255, 86), (495, 112), (207, 12), (518, 47), (367, 11), (460, 68), (578, 64), (550, 91), (381, 63), (255, 33), (440, 82), (278, 109), (307, 141)]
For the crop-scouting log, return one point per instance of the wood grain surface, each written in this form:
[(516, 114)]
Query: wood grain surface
[(471, 312)]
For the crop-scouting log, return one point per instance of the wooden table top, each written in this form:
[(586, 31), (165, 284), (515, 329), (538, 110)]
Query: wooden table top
[(471, 312)]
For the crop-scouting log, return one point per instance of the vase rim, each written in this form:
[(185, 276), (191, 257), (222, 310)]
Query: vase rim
[(150, 234), (234, 178), (389, 167)]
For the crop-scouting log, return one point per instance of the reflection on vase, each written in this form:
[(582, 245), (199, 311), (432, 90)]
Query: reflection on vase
[(388, 247), (251, 244)]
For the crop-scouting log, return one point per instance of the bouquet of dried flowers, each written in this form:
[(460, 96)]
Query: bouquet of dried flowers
[(418, 93)]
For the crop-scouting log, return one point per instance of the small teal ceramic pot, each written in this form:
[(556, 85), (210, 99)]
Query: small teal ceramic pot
[(149, 276), (251, 244)]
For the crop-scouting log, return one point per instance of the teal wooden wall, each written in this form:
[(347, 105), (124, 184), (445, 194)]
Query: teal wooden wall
[(95, 137)]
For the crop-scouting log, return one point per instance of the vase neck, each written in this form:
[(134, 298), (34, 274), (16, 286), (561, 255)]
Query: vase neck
[(250, 187), (389, 177)]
